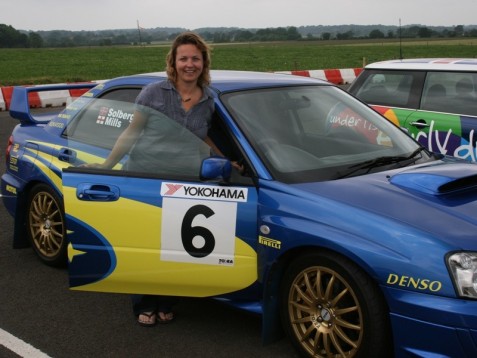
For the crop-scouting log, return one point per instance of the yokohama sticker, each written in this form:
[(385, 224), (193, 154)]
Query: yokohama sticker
[(205, 192)]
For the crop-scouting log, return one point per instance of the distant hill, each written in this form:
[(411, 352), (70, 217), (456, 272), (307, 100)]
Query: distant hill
[(314, 30), (364, 30)]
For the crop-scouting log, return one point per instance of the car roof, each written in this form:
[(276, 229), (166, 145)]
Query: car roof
[(435, 64), (225, 80)]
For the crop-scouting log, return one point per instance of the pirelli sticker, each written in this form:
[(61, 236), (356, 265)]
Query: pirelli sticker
[(274, 244)]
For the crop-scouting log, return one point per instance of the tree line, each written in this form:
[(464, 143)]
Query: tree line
[(9, 38), (12, 38)]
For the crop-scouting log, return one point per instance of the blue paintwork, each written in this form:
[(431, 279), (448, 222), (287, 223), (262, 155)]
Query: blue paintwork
[(400, 222)]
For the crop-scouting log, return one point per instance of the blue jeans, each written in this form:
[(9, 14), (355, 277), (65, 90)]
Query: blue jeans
[(152, 303)]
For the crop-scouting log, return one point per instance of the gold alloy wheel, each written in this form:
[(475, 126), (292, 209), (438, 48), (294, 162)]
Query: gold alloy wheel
[(325, 314), (46, 225)]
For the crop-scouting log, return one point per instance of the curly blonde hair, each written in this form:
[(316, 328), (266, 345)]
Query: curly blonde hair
[(189, 38)]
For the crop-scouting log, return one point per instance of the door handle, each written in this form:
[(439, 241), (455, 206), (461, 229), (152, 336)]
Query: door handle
[(97, 192), (420, 123), (67, 155)]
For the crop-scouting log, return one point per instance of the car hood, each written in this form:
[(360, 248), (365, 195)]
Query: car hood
[(439, 198)]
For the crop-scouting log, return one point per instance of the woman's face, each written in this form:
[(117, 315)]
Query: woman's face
[(189, 63)]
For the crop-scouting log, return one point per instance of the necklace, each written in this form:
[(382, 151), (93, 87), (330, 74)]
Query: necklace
[(187, 99)]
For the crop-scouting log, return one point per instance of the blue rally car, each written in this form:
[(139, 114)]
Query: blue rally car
[(341, 230)]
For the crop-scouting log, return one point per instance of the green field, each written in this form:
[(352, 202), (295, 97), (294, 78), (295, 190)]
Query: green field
[(39, 66)]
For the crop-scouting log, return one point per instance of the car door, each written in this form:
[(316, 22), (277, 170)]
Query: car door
[(155, 236), (445, 133), (160, 231)]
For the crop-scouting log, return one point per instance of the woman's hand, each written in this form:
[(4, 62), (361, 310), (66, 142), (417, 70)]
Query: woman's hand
[(238, 166), (94, 165)]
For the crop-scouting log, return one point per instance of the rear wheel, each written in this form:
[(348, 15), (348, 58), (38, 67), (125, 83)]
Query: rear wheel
[(331, 308), (46, 225)]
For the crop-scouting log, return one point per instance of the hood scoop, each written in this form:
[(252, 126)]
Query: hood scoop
[(438, 179)]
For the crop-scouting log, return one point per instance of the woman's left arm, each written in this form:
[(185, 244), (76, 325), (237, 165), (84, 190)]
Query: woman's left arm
[(216, 150), (212, 145)]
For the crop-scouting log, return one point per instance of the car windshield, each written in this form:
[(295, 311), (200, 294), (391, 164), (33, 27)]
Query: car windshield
[(313, 133)]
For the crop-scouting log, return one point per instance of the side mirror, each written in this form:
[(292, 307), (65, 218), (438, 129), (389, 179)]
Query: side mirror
[(215, 168)]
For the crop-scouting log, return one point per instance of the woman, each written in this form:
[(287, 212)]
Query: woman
[(185, 98)]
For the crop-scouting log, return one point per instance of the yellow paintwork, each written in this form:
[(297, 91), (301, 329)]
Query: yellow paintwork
[(133, 230), (55, 162)]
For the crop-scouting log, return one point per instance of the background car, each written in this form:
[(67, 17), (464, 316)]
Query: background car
[(434, 99), (341, 230)]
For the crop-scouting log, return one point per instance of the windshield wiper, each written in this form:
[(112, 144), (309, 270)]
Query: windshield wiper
[(379, 162)]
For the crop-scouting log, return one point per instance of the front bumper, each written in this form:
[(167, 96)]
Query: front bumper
[(432, 326)]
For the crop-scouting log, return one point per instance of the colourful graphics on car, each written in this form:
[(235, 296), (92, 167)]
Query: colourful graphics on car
[(439, 132), (342, 117), (36, 155), (188, 228)]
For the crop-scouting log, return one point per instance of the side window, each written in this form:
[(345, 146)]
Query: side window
[(104, 119), (390, 88), (452, 92)]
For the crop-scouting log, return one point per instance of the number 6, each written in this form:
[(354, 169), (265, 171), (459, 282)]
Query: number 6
[(188, 232)]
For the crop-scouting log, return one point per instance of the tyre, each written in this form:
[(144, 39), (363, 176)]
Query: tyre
[(331, 308), (46, 225)]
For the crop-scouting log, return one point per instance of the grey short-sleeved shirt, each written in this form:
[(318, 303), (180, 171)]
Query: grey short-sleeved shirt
[(172, 139)]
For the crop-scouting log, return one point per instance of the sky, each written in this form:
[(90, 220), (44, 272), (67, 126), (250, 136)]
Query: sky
[(36, 15)]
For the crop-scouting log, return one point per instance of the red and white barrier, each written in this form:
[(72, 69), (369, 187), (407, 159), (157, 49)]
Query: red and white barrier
[(3, 104), (42, 99), (336, 76), (54, 98), (59, 98)]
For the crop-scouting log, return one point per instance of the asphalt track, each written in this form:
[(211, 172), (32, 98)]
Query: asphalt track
[(38, 309)]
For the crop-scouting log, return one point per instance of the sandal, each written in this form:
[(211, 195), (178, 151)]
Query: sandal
[(151, 319), (165, 316)]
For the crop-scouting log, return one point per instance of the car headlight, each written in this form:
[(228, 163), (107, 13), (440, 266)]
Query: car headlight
[(463, 266)]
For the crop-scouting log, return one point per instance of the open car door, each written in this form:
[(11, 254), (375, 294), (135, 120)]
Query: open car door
[(150, 236), (160, 231)]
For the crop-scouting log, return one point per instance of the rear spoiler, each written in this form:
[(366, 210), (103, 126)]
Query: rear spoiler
[(25, 98)]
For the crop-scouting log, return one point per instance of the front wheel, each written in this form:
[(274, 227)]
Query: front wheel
[(46, 225), (331, 308)]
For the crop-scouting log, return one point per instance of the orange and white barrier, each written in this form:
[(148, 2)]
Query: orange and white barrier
[(336, 76)]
